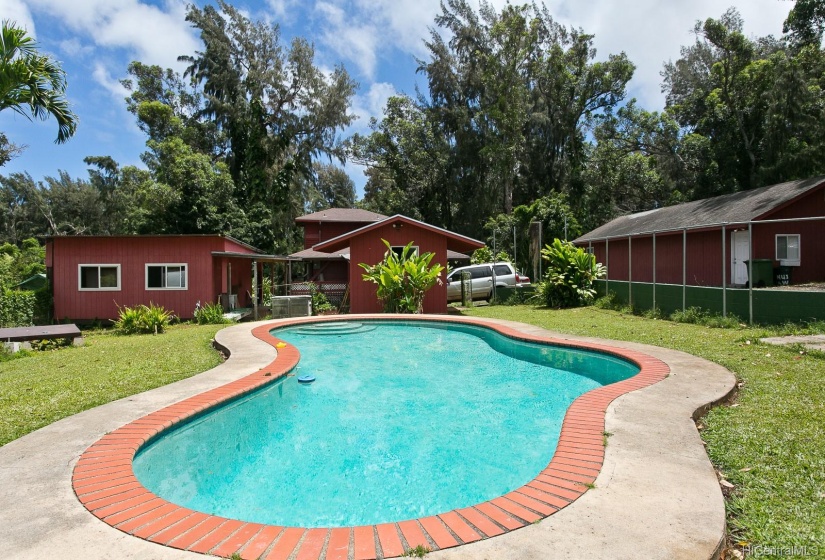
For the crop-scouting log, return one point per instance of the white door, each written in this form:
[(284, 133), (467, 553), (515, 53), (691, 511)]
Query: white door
[(739, 254)]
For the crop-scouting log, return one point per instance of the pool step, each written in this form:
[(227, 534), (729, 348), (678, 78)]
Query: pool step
[(335, 328)]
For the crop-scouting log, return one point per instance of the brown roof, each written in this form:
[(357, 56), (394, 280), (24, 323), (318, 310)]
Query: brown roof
[(736, 208), (310, 254), (454, 240), (342, 215)]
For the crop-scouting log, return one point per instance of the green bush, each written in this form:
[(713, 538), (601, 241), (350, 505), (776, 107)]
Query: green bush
[(485, 255), (320, 303), (17, 308), (571, 271), (210, 314), (403, 279), (143, 319)]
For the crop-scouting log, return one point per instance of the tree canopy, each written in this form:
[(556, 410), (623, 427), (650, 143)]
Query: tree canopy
[(521, 121)]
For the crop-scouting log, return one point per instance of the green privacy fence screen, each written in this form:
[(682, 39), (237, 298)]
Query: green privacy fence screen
[(769, 305)]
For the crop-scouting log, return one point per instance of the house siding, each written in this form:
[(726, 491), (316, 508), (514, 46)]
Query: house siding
[(370, 249), (318, 232), (704, 261), (206, 275)]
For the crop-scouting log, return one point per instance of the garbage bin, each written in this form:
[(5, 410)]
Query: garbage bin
[(782, 276), (762, 272)]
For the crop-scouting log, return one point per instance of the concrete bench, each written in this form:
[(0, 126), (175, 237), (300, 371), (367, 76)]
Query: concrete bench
[(19, 337)]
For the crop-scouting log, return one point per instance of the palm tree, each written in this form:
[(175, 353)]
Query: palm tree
[(28, 78)]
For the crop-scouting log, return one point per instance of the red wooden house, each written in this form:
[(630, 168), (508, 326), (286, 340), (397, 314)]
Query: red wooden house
[(347, 246), (92, 276), (709, 242), (329, 271)]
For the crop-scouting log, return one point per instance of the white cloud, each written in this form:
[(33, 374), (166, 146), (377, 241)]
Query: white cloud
[(152, 34), (283, 9), (351, 38), (102, 76), (73, 47), (16, 11), (370, 104)]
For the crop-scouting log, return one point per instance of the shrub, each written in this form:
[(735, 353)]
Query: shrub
[(485, 255), (17, 308), (143, 319), (209, 314), (320, 303), (403, 279), (570, 274)]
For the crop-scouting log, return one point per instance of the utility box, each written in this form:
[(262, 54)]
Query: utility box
[(762, 272)]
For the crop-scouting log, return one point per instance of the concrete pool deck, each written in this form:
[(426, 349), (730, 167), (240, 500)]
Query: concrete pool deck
[(656, 495)]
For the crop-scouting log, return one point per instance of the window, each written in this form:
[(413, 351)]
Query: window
[(503, 270), (398, 249), (481, 272), (165, 276), (787, 249), (98, 277)]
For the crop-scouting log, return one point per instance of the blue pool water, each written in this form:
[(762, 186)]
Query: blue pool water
[(404, 420)]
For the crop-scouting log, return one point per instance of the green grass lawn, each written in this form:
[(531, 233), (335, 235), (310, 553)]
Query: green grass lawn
[(770, 444), (44, 387)]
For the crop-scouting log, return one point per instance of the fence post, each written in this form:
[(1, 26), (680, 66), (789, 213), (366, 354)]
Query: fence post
[(630, 271), (654, 273), (684, 268), (607, 265), (724, 273), (750, 271)]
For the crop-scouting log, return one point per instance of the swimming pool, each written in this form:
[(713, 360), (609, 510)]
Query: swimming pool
[(405, 420), (104, 481)]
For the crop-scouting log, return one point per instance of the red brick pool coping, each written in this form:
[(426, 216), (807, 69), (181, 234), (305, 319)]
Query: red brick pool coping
[(105, 484)]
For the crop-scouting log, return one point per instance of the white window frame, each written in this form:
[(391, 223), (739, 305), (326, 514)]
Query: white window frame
[(80, 268), (789, 262), (185, 267)]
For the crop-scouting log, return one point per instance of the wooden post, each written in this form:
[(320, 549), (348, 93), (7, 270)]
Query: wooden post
[(255, 290)]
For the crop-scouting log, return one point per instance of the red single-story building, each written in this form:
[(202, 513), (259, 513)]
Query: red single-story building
[(708, 242), (92, 276), (339, 255)]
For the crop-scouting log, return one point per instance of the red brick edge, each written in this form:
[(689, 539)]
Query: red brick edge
[(105, 484)]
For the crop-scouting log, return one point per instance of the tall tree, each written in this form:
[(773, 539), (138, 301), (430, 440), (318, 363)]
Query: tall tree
[(756, 102), (332, 188), (276, 107), (806, 22), (514, 93), (32, 84), (407, 155)]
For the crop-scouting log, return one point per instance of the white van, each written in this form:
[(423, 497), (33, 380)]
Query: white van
[(482, 279)]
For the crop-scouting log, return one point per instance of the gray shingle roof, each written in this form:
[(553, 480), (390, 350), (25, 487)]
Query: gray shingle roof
[(342, 215), (738, 207)]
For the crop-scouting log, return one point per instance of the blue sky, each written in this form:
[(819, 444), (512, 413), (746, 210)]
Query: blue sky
[(376, 40)]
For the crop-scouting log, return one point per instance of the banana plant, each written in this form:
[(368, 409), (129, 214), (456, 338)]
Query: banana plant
[(403, 279), (570, 274)]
